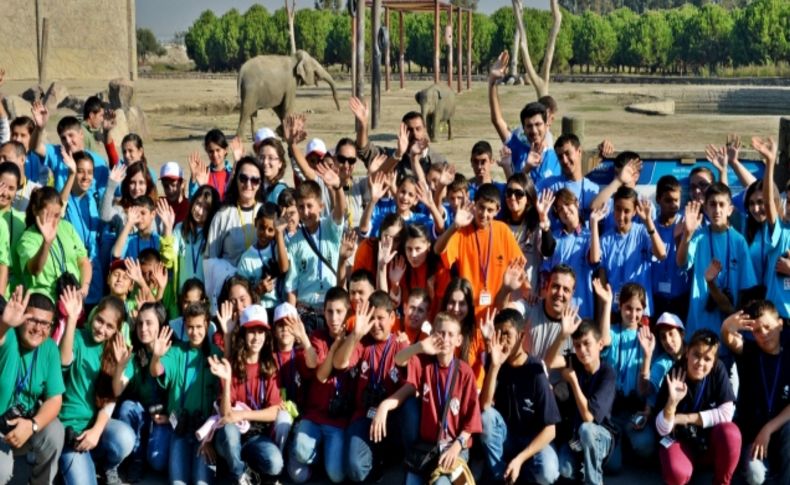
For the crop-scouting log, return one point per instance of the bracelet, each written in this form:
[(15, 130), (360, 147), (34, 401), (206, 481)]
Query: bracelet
[(650, 232)]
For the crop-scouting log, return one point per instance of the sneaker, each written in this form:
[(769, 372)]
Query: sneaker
[(111, 477), (249, 477), (135, 471)]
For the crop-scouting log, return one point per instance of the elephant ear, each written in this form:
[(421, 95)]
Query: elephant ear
[(305, 72)]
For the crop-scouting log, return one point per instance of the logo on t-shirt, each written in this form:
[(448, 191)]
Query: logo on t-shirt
[(426, 391), (363, 368), (394, 375), (455, 406), (529, 406)]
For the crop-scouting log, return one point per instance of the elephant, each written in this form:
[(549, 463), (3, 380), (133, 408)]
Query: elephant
[(271, 81), (437, 104)]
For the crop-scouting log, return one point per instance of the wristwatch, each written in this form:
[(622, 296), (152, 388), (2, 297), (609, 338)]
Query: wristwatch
[(461, 441), (35, 425)]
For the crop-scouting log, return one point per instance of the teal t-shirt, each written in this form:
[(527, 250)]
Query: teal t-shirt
[(190, 385), (64, 255), (142, 387), (15, 224), (28, 375), (625, 355)]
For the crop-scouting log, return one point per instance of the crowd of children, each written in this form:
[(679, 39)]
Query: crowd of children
[(230, 325)]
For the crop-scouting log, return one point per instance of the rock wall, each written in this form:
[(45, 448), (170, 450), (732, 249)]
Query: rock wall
[(88, 39)]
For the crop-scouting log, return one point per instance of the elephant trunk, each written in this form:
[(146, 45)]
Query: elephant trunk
[(324, 76)]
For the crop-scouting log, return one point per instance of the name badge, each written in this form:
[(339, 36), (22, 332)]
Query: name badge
[(485, 298), (786, 284), (666, 441), (665, 287), (426, 328), (173, 420)]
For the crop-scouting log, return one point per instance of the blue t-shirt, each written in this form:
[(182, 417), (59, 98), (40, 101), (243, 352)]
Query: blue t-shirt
[(627, 259), (625, 355), (35, 169), (254, 262), (135, 244), (585, 191), (54, 161), (736, 274), (669, 281), (519, 150), (83, 213), (658, 371), (573, 249), (387, 206), (777, 285)]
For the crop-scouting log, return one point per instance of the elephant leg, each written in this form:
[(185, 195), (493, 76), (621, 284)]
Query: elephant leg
[(449, 129), (434, 127), (252, 125)]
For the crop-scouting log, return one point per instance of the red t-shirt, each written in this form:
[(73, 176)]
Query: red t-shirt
[(180, 209), (249, 390), (319, 394), (291, 369), (219, 180), (464, 412), (367, 359)]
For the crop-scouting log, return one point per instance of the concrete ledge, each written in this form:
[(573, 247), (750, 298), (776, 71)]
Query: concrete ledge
[(663, 108)]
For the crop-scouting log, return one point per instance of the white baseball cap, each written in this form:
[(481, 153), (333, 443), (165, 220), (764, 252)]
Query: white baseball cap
[(254, 316), (284, 310), (316, 145), (262, 134), (171, 170), (670, 320)]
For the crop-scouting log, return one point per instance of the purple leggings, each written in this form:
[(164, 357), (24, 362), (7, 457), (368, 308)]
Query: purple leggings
[(677, 461)]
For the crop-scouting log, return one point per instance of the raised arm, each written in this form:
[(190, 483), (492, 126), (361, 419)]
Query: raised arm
[(629, 175), (463, 217), (570, 322), (47, 224), (162, 344), (605, 297), (731, 330), (362, 325), (71, 299), (691, 222), (767, 148), (293, 132), (643, 210), (496, 74), (733, 150)]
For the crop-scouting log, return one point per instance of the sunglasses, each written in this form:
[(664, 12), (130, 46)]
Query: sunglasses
[(518, 193), (254, 181), (349, 160)]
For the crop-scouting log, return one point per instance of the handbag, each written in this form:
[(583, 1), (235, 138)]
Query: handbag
[(423, 458)]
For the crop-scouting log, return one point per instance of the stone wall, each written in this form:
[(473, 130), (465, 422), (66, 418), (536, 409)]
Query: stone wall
[(88, 39)]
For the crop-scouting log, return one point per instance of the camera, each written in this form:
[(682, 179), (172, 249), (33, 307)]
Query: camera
[(187, 422), (70, 437), (340, 406), (710, 304), (638, 420), (155, 409), (372, 396), (12, 413)]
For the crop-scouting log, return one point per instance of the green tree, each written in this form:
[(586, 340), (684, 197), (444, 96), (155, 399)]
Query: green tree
[(622, 21), (418, 29), (504, 28), (679, 20), (334, 6), (650, 39), (222, 46), (197, 37), (709, 36), (256, 28), (594, 41), (148, 45), (312, 28), (761, 33), (338, 41), (278, 42), (483, 33)]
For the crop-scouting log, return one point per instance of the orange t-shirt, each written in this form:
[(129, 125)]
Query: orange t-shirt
[(366, 256), (469, 250)]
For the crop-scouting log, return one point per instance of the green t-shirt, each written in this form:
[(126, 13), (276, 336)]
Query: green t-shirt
[(142, 387), (28, 375), (64, 255), (79, 400), (187, 369), (14, 221)]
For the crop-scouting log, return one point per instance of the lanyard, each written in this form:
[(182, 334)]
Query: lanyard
[(86, 228), (288, 384), (263, 263), (377, 374), (442, 395), (317, 241), (23, 380), (188, 384), (769, 396), (725, 267), (484, 267), (62, 261), (247, 237), (698, 397), (196, 254), (256, 403)]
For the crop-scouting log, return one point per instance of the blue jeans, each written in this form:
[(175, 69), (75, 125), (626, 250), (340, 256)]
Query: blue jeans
[(304, 451), (259, 452), (156, 436), (186, 466), (414, 479), (756, 472), (596, 442), (115, 444), (501, 445), (402, 422)]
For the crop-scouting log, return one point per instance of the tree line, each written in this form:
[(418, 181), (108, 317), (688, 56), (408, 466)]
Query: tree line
[(680, 40)]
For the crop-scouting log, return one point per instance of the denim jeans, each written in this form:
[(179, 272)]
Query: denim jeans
[(258, 452), (778, 462), (304, 451), (40, 454), (596, 442), (156, 437), (414, 479), (115, 444), (402, 423), (501, 445), (186, 466)]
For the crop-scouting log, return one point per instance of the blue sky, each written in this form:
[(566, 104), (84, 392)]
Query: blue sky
[(165, 18)]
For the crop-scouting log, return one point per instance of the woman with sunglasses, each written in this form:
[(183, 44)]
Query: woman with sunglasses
[(528, 217), (232, 230)]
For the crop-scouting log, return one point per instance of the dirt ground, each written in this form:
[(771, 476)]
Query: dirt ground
[(180, 111)]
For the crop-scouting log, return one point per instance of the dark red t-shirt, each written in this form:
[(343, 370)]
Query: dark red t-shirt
[(291, 371), (464, 412), (370, 370), (180, 209), (219, 180), (319, 394), (249, 390)]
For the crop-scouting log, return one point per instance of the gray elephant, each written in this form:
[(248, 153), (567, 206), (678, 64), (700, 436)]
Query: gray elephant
[(437, 104), (271, 81)]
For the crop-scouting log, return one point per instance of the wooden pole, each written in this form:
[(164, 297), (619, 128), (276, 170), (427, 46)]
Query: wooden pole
[(375, 68), (354, 55), (401, 55), (38, 40), (783, 147), (360, 87), (131, 22), (449, 30), (387, 52), (459, 39), (468, 50), (42, 72), (436, 51)]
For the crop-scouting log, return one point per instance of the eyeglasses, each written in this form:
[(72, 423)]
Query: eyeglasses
[(349, 160), (45, 324), (702, 186), (518, 193), (254, 181)]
